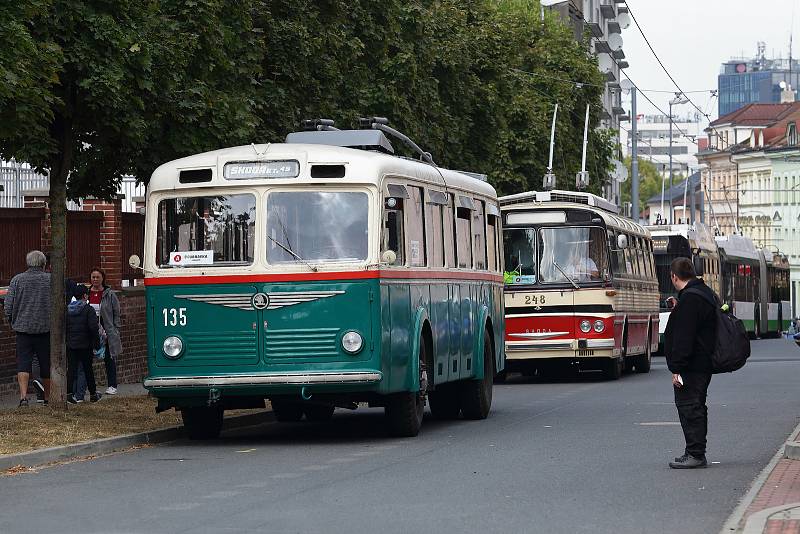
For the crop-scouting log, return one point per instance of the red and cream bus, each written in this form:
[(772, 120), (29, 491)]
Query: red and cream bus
[(581, 291)]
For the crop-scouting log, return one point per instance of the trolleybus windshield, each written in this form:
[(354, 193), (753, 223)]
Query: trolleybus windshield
[(211, 230), (317, 226), (549, 255)]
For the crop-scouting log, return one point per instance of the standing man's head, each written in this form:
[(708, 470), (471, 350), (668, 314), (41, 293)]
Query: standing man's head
[(36, 258), (681, 272)]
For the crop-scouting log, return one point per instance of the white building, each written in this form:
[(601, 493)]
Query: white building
[(653, 134)]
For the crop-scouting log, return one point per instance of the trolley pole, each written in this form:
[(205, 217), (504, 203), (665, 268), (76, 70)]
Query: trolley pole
[(634, 159)]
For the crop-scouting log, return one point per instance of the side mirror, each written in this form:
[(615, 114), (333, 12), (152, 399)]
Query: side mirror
[(135, 261), (389, 257), (697, 262), (622, 241)]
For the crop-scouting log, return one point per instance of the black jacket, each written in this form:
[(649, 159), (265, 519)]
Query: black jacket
[(83, 327), (691, 333)]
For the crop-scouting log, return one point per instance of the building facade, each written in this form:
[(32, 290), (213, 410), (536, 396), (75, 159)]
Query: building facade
[(744, 81), (654, 144)]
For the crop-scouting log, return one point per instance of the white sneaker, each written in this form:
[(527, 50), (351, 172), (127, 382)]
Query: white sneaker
[(111, 390)]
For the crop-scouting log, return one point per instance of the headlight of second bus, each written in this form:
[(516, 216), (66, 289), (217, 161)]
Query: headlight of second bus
[(173, 347), (599, 326), (352, 342), (585, 326)]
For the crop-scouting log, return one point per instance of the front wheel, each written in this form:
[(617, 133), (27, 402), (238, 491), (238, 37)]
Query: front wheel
[(476, 395), (613, 369), (404, 410), (202, 422)]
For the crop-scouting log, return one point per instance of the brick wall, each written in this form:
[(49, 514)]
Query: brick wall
[(131, 365)]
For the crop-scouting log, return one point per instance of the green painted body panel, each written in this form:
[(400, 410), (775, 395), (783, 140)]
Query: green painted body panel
[(306, 336), (749, 325), (774, 325)]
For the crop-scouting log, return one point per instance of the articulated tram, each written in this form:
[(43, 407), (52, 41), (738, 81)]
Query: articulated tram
[(693, 241), (580, 285), (741, 274), (775, 309)]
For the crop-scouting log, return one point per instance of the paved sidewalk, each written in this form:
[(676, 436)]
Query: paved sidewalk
[(775, 506), (124, 390)]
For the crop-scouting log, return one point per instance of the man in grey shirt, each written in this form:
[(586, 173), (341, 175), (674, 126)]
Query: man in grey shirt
[(27, 308)]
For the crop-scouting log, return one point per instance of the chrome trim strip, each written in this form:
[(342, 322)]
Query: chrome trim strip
[(599, 343), (539, 335), (538, 346), (265, 379)]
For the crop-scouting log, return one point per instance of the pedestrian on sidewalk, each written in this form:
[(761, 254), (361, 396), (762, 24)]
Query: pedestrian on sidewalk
[(83, 335), (689, 341), (103, 299), (27, 308)]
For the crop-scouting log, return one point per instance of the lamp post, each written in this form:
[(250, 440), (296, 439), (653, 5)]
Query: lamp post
[(679, 99)]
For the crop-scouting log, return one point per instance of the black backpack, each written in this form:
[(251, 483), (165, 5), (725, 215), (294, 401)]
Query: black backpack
[(733, 343)]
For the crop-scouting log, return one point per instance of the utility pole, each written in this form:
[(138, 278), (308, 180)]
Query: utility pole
[(679, 99), (634, 159)]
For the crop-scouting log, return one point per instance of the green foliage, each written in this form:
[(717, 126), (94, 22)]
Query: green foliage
[(111, 88), (650, 181)]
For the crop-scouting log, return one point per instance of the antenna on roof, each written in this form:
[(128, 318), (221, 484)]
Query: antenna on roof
[(382, 124), (318, 125)]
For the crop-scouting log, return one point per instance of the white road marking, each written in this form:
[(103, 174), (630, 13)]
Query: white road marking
[(660, 423)]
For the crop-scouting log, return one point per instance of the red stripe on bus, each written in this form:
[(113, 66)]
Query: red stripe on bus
[(312, 277)]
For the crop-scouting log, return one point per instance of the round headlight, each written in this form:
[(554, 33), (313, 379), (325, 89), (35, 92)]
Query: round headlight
[(599, 326), (173, 347), (585, 326), (352, 342)]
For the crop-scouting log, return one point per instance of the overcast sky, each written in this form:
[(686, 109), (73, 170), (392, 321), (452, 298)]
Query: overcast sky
[(694, 37)]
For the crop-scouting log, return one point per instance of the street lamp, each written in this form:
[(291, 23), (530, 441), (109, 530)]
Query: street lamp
[(680, 98)]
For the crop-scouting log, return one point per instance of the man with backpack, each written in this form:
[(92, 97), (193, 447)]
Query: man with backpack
[(690, 341)]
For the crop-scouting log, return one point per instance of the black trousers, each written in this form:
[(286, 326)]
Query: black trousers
[(690, 400), (83, 356)]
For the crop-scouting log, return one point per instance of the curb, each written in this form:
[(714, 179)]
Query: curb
[(792, 449), (107, 445), (732, 523)]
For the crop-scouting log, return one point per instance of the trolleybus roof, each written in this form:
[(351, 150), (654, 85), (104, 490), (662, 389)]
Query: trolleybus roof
[(360, 166), (737, 246), (698, 233)]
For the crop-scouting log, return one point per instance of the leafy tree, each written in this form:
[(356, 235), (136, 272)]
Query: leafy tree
[(93, 90)]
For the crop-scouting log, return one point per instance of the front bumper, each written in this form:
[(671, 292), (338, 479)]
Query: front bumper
[(264, 379), (566, 348)]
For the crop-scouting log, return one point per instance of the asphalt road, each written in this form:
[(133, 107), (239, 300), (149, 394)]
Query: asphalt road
[(580, 455)]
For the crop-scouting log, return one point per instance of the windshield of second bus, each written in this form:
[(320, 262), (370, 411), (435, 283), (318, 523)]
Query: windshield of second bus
[(317, 226), (555, 255)]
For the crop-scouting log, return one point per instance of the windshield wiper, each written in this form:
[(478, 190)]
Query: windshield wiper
[(292, 252), (571, 281)]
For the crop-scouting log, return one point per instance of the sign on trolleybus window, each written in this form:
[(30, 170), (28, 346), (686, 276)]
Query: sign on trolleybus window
[(191, 257)]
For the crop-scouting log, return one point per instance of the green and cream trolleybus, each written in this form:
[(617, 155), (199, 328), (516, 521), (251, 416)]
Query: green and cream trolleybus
[(318, 273)]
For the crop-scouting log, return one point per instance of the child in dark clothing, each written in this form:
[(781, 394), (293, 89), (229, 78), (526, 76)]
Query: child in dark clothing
[(83, 334)]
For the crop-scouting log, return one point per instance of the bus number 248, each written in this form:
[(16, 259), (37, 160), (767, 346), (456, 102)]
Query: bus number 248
[(174, 317)]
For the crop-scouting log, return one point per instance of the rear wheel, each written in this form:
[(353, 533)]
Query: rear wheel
[(444, 401), (202, 422), (287, 411), (476, 395), (319, 412), (404, 410), (643, 361)]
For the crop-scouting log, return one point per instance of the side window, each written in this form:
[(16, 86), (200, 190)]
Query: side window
[(463, 238), (612, 246), (393, 235), (415, 228), (491, 242), (643, 255), (434, 237), (630, 256), (449, 232), (479, 235)]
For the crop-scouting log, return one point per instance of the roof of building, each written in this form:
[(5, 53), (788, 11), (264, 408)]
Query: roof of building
[(757, 114), (676, 191)]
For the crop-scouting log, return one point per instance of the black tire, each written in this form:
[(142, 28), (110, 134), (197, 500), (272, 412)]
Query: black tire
[(202, 422), (287, 411), (319, 412), (613, 368), (476, 395), (643, 361), (404, 411), (445, 402)]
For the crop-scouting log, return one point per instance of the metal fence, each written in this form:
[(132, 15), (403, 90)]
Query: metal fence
[(16, 179)]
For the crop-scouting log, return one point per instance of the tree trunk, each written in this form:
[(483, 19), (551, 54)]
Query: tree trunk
[(61, 131), (58, 232)]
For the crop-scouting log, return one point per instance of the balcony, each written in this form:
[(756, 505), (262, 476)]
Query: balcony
[(601, 47), (618, 54), (614, 27), (617, 110), (596, 29), (623, 64), (608, 11)]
